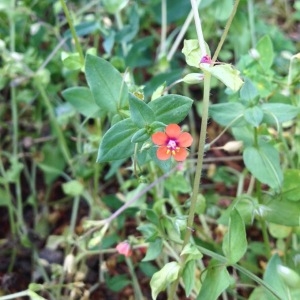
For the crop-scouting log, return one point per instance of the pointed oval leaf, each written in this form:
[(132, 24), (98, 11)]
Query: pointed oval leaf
[(282, 112), (291, 186), (192, 52), (254, 115), (154, 249), (235, 242), (216, 281), (225, 73), (106, 84), (248, 91), (272, 277), (189, 276), (116, 143), (83, 101), (162, 278), (279, 211), (171, 108), (140, 136), (141, 114), (226, 114), (264, 164), (265, 49)]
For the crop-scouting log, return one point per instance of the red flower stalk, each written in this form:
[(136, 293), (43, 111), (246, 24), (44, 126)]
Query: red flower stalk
[(124, 248), (172, 142)]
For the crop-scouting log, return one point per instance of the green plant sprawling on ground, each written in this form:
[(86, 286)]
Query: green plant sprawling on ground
[(150, 149)]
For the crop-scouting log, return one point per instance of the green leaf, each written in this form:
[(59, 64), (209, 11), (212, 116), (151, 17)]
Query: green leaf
[(139, 54), (216, 281), (71, 61), (254, 115), (188, 277), (248, 91), (222, 9), (34, 296), (279, 231), (264, 164), (225, 73), (177, 183), (140, 136), (265, 49), (226, 114), (106, 84), (73, 188), (141, 114), (245, 205), (162, 278), (291, 186), (192, 252), (171, 108), (235, 242), (272, 277), (289, 276), (129, 30), (154, 250), (117, 282), (282, 112), (5, 198), (279, 211), (112, 6), (116, 143), (192, 52), (82, 100)]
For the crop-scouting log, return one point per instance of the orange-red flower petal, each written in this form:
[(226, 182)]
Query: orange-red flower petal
[(173, 131), (180, 154), (163, 153), (159, 138), (184, 140)]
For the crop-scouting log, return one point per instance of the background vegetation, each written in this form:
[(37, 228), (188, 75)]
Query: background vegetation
[(84, 85)]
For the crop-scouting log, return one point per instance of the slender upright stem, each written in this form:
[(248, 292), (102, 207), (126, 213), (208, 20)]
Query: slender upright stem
[(163, 34), (226, 30), (251, 22), (61, 139), (73, 31), (198, 27), (201, 149)]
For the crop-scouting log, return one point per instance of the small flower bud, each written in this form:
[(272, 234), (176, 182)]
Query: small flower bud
[(205, 59), (124, 248), (69, 264), (233, 146), (254, 54), (193, 78)]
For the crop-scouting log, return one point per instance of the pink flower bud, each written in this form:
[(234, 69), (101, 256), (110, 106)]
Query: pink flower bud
[(124, 248), (205, 59)]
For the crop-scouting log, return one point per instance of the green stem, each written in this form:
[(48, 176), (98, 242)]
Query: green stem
[(15, 295), (163, 34), (263, 223), (137, 289), (251, 22), (61, 140), (198, 27), (75, 208), (120, 26), (10, 208), (73, 31), (227, 27)]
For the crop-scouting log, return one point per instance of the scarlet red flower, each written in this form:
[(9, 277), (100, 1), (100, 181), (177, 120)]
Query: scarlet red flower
[(124, 248), (172, 142)]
